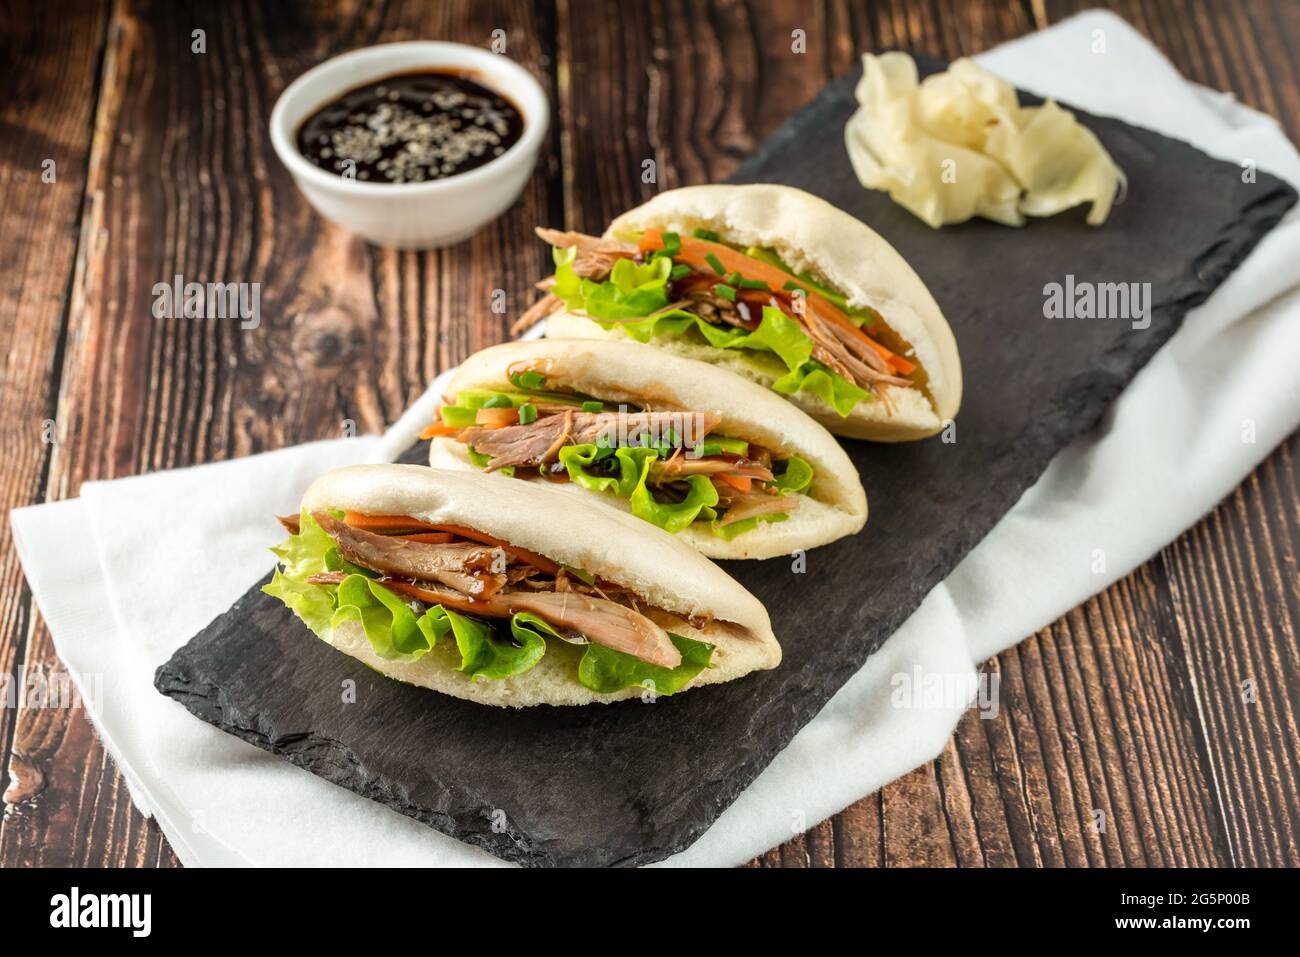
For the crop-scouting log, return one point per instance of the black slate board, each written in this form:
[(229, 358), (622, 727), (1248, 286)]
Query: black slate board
[(632, 783)]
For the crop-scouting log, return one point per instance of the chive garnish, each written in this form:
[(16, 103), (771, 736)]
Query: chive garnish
[(725, 291), (708, 234), (672, 243), (792, 286), (527, 413), (529, 381), (716, 263), (680, 270), (753, 284), (593, 406)]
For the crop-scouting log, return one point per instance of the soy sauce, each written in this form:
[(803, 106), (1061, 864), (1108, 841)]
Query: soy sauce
[(411, 128)]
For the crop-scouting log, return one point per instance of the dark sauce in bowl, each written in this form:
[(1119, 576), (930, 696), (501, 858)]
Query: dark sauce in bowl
[(411, 128)]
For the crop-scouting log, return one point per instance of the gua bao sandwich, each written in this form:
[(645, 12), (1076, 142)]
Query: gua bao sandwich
[(776, 285), (726, 465), (509, 593)]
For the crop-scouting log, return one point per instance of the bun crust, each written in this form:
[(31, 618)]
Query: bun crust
[(662, 571), (630, 372)]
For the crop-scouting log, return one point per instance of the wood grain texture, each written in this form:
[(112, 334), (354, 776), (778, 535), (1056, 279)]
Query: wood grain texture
[(47, 100), (1130, 709)]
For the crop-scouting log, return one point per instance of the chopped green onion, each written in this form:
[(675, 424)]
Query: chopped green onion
[(792, 286), (498, 401), (716, 445), (725, 291), (680, 270), (672, 243), (593, 406), (734, 279), (527, 413), (708, 234), (528, 380), (753, 284), (716, 263)]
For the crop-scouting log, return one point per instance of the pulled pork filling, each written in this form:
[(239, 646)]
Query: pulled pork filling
[(477, 575), (673, 467), (730, 288)]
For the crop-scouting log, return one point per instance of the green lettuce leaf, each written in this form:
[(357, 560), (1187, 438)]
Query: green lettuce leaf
[(604, 670), (778, 333), (798, 475), (568, 284), (675, 516), (631, 483), (578, 461), (813, 377), (303, 555), (631, 291), (314, 604), (396, 633), (484, 653)]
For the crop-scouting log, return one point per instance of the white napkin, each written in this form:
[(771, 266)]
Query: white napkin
[(1181, 436)]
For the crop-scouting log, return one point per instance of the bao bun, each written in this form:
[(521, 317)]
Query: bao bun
[(810, 235), (663, 572), (629, 372)]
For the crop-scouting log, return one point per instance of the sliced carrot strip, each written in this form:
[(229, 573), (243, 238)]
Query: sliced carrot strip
[(429, 538), (387, 523), (439, 428), (741, 483), (412, 590)]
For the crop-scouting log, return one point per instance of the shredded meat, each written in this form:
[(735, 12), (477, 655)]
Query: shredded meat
[(517, 445), (327, 578), (540, 442), (679, 466), (565, 433), (599, 620), (749, 504), (477, 570), (595, 245)]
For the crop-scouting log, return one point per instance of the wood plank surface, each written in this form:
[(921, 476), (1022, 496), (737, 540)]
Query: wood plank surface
[(1129, 711)]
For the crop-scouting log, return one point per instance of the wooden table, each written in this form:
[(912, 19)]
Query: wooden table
[(1130, 704)]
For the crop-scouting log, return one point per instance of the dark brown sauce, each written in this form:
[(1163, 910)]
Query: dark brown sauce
[(411, 128)]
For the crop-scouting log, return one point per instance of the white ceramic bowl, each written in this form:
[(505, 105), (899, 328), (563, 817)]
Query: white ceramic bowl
[(412, 215)]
